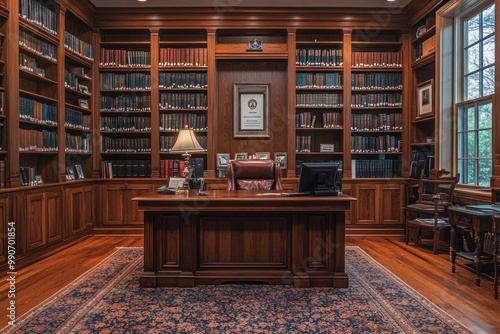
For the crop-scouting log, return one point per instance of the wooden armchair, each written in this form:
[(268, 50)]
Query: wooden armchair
[(429, 213), (258, 174)]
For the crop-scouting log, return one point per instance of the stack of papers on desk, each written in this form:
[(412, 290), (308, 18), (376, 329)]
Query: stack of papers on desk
[(484, 207)]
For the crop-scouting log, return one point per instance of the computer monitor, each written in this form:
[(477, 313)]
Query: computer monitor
[(320, 178)]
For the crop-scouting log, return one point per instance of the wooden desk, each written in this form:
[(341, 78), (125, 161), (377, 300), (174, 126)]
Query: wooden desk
[(477, 220), (243, 236)]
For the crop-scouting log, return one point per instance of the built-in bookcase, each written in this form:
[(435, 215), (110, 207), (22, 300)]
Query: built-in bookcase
[(38, 91), (319, 80), (3, 105), (376, 105), (125, 103), (79, 57), (183, 95)]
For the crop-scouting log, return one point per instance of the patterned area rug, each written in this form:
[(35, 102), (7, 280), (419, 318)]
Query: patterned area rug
[(108, 299)]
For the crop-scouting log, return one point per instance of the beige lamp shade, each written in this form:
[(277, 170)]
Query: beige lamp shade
[(187, 142)]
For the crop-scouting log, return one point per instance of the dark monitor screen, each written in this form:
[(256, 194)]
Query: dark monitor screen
[(320, 177)]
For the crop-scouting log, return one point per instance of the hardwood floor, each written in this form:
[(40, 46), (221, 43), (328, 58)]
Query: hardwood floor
[(429, 274)]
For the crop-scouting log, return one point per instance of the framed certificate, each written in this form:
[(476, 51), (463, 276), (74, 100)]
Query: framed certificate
[(251, 115)]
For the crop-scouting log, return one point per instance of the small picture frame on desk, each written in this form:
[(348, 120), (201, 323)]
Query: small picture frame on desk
[(176, 182), (240, 156), (262, 155), (281, 158), (425, 99), (222, 160), (221, 173), (326, 147)]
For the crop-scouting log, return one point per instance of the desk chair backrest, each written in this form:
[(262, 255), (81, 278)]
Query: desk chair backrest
[(437, 189), (259, 174)]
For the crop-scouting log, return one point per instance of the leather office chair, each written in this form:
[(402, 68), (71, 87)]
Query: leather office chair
[(256, 174), (429, 213)]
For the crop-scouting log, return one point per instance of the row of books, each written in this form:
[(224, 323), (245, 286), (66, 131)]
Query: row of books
[(175, 167), (372, 144), (377, 80), (1, 135), (125, 145), (125, 58), (319, 100), (125, 81), (38, 46), (125, 123), (307, 120), (303, 144), (27, 176), (183, 57), (29, 64), (183, 80), (78, 46), (167, 142), (375, 122), (319, 57), (125, 168), (319, 80), (30, 110), (123, 103), (70, 79), (376, 100), (377, 58), (183, 100), (39, 14), (37, 140), (376, 168), (78, 143), (177, 121), (77, 119), (1, 103)]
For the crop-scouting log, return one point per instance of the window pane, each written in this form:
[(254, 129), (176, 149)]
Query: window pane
[(485, 116), (471, 118), (485, 144), (462, 145), (471, 172), (472, 86), (472, 30), (489, 81), (485, 170), (489, 51), (472, 59), (471, 143), (489, 20)]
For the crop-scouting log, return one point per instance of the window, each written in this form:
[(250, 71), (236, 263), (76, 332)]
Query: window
[(475, 110)]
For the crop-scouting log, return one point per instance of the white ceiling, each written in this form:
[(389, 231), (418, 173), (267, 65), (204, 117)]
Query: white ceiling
[(250, 3)]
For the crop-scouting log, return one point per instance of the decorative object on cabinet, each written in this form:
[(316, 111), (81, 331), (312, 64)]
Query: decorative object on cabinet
[(251, 103), (281, 158), (254, 45), (262, 155), (429, 213), (222, 160), (425, 98), (240, 156)]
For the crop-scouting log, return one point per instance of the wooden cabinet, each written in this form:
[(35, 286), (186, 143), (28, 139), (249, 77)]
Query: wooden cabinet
[(379, 206), (118, 212), (44, 219), (80, 209), (4, 219)]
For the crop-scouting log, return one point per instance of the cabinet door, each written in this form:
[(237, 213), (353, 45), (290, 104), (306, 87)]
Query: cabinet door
[(392, 202), (76, 209), (88, 215), (113, 198), (135, 216), (53, 216), (367, 204), (35, 219)]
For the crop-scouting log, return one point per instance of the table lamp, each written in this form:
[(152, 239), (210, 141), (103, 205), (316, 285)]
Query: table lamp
[(186, 142)]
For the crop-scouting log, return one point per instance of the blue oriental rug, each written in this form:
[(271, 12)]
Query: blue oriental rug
[(108, 299)]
